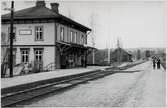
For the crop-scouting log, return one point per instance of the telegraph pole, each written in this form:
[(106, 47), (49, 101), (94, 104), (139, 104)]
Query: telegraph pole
[(11, 39), (108, 55), (93, 54)]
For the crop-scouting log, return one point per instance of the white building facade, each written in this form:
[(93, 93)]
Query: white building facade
[(44, 36)]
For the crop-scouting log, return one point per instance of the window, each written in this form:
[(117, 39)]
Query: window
[(82, 39), (24, 56), (85, 39), (38, 33), (71, 36), (14, 31), (78, 39), (62, 34), (75, 37), (7, 55), (3, 38), (38, 55)]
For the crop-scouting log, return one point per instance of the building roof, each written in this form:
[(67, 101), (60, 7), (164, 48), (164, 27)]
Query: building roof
[(32, 12), (120, 49), (41, 12)]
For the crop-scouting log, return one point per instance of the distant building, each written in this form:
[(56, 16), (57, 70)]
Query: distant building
[(147, 53), (45, 37), (120, 55)]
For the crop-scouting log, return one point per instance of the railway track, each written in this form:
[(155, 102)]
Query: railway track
[(14, 98)]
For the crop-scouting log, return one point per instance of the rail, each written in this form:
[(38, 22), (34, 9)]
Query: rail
[(14, 98)]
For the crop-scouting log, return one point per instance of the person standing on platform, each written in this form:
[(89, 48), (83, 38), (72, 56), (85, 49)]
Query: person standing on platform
[(158, 63), (154, 63)]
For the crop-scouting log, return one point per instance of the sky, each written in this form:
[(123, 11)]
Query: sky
[(136, 23)]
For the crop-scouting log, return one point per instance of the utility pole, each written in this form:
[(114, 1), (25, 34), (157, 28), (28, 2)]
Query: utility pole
[(119, 53), (93, 54), (108, 59), (108, 40), (93, 20), (108, 55), (11, 39)]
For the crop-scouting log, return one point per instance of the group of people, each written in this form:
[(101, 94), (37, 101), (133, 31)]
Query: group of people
[(156, 62), (70, 63)]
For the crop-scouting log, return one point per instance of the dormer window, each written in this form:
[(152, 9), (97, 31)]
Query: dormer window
[(39, 33)]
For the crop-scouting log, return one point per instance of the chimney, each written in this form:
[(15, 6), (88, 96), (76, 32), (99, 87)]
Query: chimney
[(54, 7), (40, 3)]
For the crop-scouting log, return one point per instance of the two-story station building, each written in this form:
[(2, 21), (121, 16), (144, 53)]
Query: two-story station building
[(44, 36)]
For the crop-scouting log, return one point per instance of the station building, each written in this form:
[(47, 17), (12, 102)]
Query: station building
[(46, 37)]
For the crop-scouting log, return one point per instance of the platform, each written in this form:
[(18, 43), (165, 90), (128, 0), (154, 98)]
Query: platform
[(25, 79)]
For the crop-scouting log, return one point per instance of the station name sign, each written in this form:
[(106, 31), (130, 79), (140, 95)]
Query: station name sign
[(25, 32)]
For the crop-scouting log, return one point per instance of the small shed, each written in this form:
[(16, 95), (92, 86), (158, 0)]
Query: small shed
[(120, 55)]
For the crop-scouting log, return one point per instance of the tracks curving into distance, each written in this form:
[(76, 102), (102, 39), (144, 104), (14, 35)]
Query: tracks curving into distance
[(14, 98)]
